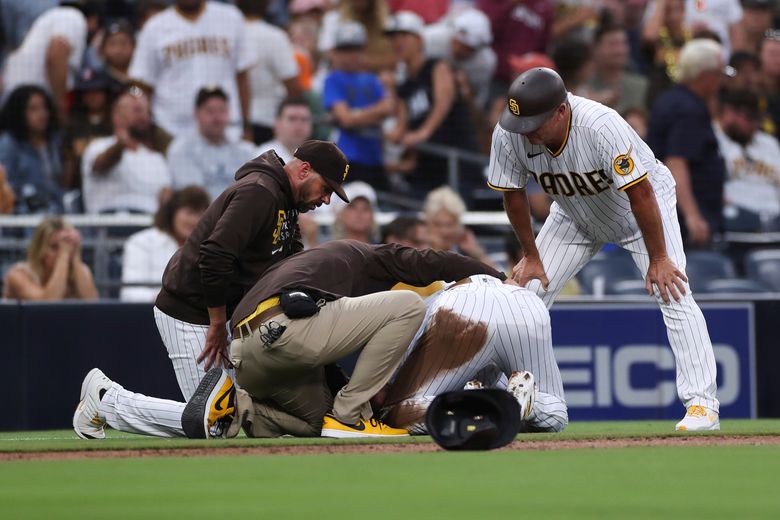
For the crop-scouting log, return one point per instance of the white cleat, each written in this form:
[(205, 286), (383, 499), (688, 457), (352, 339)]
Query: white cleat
[(87, 421), (522, 386), (699, 419), (474, 384)]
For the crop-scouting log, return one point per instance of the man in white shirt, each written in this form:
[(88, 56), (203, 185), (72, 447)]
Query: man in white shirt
[(122, 172), (188, 46), (752, 156), (291, 128), (274, 75), (465, 42), (50, 54), (206, 157)]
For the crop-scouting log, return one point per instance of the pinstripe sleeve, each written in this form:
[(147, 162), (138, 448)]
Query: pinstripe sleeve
[(505, 172), (623, 153)]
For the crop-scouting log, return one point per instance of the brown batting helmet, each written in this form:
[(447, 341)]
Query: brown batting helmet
[(533, 97)]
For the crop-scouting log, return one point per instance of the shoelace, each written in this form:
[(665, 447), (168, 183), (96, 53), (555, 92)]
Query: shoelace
[(697, 411), (375, 423)]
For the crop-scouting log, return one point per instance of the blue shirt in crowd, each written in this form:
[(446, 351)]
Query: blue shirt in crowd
[(357, 90), (680, 126)]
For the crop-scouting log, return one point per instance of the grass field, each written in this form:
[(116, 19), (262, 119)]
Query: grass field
[(710, 481)]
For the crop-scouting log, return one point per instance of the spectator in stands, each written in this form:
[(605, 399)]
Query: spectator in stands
[(663, 35), (373, 15), (49, 56), (125, 172), (358, 104), (7, 197), (54, 269), (573, 60), (147, 252), (681, 135), (574, 19), (274, 75), (30, 150), (407, 231), (117, 50), (465, 43), (757, 19), (90, 118), (637, 119), (518, 28), (292, 127), (431, 108), (747, 68), (18, 16), (444, 209), (355, 220), (612, 84), (148, 8), (722, 17), (206, 157), (770, 82), (752, 157), (193, 44)]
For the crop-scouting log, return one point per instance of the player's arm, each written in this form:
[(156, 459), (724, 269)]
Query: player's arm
[(662, 272), (519, 212), (244, 94), (698, 229), (57, 56)]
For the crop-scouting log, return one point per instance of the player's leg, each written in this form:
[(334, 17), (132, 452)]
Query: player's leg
[(563, 249), (184, 343), (264, 419), (685, 324), (523, 341)]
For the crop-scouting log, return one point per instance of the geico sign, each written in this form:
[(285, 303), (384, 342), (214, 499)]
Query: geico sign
[(606, 373)]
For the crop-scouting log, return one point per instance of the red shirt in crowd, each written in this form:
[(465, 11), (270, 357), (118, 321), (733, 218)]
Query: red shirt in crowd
[(518, 27)]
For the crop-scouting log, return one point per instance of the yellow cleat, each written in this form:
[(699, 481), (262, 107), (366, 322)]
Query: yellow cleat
[(332, 427), (211, 408)]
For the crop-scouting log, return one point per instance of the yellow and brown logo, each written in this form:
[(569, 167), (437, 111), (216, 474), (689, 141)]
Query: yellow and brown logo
[(346, 171), (623, 163), (514, 107)]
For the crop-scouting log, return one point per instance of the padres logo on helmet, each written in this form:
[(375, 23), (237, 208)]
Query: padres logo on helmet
[(514, 107)]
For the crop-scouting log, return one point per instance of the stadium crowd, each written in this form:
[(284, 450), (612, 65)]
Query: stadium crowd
[(150, 106)]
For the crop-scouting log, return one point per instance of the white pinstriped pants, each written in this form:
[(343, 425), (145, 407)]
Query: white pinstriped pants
[(518, 338), (137, 413), (565, 248)]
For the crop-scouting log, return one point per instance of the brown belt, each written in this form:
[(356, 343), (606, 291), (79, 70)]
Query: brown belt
[(257, 320)]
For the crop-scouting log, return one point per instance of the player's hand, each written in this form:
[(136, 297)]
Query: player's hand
[(529, 269), (698, 230), (670, 281), (215, 350)]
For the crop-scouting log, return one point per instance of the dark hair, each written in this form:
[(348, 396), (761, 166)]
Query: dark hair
[(206, 93), (401, 227), (192, 197), (605, 28), (707, 34), (253, 7), (740, 100), (739, 58), (570, 55), (13, 118), (116, 27), (295, 101)]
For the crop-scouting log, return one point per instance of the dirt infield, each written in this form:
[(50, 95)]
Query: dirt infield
[(323, 449)]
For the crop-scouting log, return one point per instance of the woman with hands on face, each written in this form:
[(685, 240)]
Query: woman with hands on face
[(54, 269)]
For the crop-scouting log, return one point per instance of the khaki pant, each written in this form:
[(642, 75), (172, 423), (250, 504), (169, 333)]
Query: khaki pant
[(290, 374)]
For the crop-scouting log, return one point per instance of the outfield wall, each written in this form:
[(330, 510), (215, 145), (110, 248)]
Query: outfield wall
[(614, 358)]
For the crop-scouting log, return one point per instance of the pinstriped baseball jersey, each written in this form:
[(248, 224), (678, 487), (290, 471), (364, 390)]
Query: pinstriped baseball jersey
[(601, 156)]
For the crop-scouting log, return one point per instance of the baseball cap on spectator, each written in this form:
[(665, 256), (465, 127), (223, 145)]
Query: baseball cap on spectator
[(350, 35), (91, 79), (206, 93), (355, 190), (472, 27), (405, 22), (329, 161), (528, 61)]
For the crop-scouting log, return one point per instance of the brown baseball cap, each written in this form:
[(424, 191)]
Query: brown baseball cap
[(329, 161)]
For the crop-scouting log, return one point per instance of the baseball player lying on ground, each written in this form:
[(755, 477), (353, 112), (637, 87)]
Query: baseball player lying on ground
[(479, 328)]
